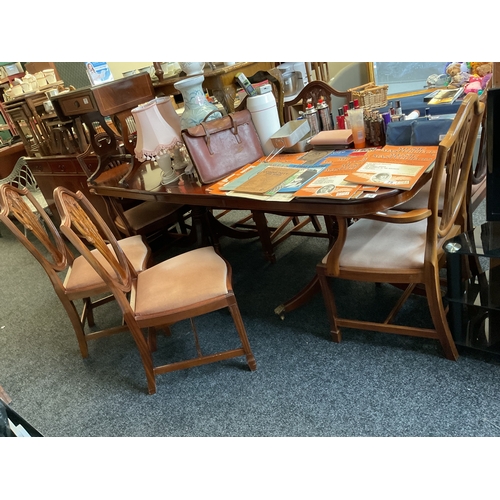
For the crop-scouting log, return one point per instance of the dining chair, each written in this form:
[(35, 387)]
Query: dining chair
[(183, 287), (151, 219), (21, 176), (72, 277), (407, 247), (313, 90), (292, 224)]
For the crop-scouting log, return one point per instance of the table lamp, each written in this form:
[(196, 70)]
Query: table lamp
[(156, 138), (180, 155)]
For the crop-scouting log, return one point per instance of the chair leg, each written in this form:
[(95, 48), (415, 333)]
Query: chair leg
[(152, 338), (331, 308), (77, 325), (438, 315), (315, 222), (88, 312), (145, 353), (240, 327)]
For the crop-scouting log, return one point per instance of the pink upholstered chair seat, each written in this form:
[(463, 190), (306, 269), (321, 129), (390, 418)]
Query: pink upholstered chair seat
[(366, 246), (196, 276)]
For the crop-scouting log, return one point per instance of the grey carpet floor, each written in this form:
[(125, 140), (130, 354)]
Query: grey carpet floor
[(371, 384)]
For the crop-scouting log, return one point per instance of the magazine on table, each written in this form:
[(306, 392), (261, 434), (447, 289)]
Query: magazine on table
[(269, 180), (394, 166), (444, 96)]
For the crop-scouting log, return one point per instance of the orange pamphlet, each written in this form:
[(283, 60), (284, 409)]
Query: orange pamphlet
[(394, 166), (331, 182)]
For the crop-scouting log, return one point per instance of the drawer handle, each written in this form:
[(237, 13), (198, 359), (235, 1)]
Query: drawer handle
[(62, 168), (77, 104)]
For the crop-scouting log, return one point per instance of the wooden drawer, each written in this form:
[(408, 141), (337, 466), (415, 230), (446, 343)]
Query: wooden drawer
[(63, 166), (77, 105), (37, 167)]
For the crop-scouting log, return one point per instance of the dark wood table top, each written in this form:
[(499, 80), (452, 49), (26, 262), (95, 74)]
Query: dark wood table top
[(146, 185)]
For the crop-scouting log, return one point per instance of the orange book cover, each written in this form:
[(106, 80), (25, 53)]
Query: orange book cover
[(332, 182), (394, 166)]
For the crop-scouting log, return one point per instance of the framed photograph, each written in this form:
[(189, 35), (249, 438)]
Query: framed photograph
[(98, 72)]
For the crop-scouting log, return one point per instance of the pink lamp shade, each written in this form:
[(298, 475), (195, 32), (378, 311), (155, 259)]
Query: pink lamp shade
[(154, 135), (167, 110)]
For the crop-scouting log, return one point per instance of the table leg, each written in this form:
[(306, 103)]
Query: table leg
[(306, 294), (264, 235), (313, 287)]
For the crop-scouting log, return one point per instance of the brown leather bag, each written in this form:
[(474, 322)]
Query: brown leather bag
[(219, 147)]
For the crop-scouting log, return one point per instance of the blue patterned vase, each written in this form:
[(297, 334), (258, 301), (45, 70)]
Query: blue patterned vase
[(196, 106)]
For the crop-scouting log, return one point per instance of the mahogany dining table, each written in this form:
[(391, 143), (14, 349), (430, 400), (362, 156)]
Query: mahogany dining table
[(145, 184)]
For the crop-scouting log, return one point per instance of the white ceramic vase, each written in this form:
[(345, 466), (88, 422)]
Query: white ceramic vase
[(192, 68), (196, 106)]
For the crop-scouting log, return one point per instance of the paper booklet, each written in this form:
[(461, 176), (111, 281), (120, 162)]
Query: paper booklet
[(444, 96), (331, 182), (268, 181), (394, 166), (306, 160)]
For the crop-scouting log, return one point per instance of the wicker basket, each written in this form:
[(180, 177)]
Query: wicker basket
[(370, 96)]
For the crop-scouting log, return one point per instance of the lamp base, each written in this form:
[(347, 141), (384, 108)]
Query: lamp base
[(168, 175)]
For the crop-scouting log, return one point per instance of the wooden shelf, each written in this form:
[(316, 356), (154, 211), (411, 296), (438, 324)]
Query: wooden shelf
[(8, 79)]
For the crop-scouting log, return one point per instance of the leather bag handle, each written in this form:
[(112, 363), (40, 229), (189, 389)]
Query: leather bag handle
[(234, 130)]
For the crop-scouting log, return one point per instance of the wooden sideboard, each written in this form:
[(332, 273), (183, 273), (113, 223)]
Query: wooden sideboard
[(53, 171), (8, 158)]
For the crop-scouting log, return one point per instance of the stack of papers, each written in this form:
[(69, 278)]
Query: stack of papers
[(340, 174)]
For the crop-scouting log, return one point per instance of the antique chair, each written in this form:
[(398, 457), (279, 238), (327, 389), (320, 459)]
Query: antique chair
[(291, 224), (72, 278), (21, 176), (314, 90), (407, 247), (148, 218), (477, 181), (112, 139), (188, 285)]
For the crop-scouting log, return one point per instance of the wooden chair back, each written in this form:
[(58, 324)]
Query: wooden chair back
[(81, 221), (15, 205), (313, 90), (454, 160)]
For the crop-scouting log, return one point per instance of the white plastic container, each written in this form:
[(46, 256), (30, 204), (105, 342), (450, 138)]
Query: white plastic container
[(290, 134), (265, 118)]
